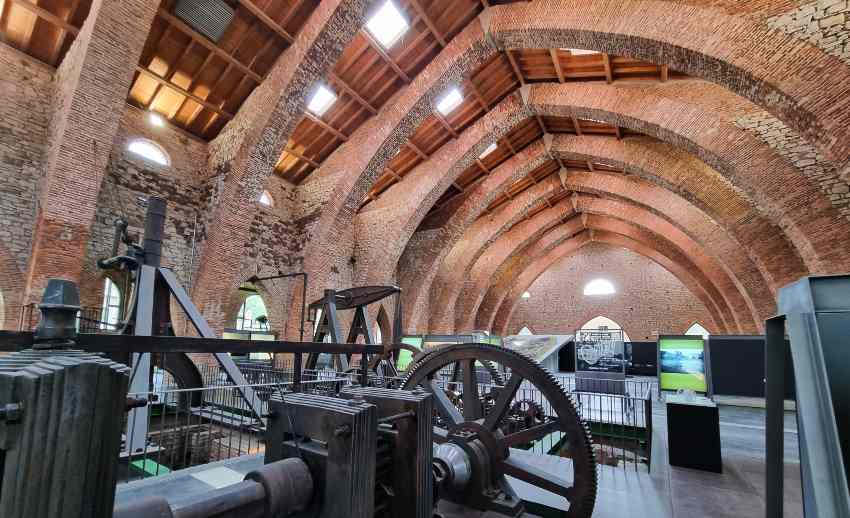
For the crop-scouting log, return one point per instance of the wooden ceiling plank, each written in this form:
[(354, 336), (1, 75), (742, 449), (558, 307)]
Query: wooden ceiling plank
[(510, 146), (292, 12), (541, 123), (386, 57), (515, 67), (480, 98), (665, 72), (171, 70), (429, 22), (590, 166), (212, 47), (618, 132), (301, 157), (181, 91), (576, 124), (606, 62), (267, 21), (53, 56), (415, 148), (338, 134), (557, 63), (445, 123), (46, 15), (481, 166), (350, 91)]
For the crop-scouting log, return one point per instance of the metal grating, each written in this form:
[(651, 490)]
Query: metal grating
[(209, 17)]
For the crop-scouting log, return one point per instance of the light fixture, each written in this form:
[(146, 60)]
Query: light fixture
[(450, 101), (526, 295), (156, 119), (492, 147), (322, 99), (387, 25)]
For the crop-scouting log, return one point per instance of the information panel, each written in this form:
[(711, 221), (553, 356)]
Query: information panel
[(599, 351), (682, 363)]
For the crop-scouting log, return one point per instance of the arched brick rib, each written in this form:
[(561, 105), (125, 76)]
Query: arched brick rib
[(378, 140), (693, 222), (246, 151), (528, 276), (463, 301)]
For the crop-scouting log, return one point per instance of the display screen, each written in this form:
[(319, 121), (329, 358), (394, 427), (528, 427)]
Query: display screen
[(600, 350), (682, 363)]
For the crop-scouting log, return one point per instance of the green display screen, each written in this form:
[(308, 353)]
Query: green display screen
[(682, 363)]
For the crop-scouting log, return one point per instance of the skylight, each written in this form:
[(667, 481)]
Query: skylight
[(450, 101), (387, 25), (599, 287), (492, 147), (526, 295), (266, 199), (321, 100), (149, 150)]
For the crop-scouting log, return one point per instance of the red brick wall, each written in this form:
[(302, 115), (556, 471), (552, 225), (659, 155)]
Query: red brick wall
[(649, 299)]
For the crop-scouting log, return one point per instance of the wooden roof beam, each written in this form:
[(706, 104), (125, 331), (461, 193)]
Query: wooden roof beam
[(445, 123), (515, 67), (47, 16), (510, 146), (481, 166), (350, 91), (480, 98), (386, 57), (299, 156), (606, 63), (428, 22), (541, 123), (212, 47), (557, 63), (178, 89), (590, 166), (423, 155), (266, 19), (665, 72), (576, 124), (53, 57), (336, 133)]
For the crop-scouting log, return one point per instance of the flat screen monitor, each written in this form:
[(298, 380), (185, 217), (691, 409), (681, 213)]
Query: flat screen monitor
[(683, 363)]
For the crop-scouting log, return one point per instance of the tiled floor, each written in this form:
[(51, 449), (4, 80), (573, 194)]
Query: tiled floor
[(665, 492)]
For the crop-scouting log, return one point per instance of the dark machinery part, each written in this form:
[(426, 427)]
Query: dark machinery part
[(480, 448), (276, 490), (59, 306)]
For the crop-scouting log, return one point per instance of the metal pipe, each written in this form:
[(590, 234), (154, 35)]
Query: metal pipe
[(154, 230)]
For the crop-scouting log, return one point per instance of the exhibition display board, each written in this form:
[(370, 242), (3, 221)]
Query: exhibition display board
[(683, 364)]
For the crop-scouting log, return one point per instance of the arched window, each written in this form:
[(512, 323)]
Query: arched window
[(599, 287), (377, 334), (266, 199), (601, 322), (110, 311), (149, 150), (525, 331), (697, 329), (252, 315)]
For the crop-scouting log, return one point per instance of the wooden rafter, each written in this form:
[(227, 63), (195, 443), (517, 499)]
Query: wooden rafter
[(557, 63), (267, 21), (606, 63), (350, 91), (212, 47), (515, 67), (337, 133), (299, 156), (445, 123), (665, 71), (480, 98), (53, 56), (46, 15), (386, 57), (510, 146), (590, 166), (428, 22), (540, 123), (481, 166), (182, 91), (576, 124), (618, 132), (423, 155)]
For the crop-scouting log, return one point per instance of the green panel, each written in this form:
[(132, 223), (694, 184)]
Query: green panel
[(406, 357), (149, 467), (682, 363)]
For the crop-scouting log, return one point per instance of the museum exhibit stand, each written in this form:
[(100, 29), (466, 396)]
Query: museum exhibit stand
[(693, 433)]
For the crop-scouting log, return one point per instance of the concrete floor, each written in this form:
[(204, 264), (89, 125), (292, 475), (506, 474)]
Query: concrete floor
[(665, 492)]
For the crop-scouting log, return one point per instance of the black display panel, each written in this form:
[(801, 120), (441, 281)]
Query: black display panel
[(737, 366), (641, 358)]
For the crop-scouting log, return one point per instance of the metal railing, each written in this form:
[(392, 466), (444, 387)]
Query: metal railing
[(88, 320)]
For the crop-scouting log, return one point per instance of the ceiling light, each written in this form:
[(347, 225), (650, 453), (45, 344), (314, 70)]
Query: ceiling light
[(450, 101), (321, 100), (492, 147), (387, 25), (526, 295), (156, 119)]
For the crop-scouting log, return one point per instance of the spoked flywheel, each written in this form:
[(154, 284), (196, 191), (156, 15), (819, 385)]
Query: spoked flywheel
[(480, 442)]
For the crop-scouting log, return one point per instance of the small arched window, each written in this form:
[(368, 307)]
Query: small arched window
[(110, 311), (525, 331), (599, 287), (266, 199), (697, 329), (252, 315), (378, 335), (149, 150)]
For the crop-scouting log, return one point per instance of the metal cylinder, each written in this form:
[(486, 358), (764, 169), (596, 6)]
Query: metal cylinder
[(154, 230), (59, 306), (145, 507), (455, 463), (288, 485)]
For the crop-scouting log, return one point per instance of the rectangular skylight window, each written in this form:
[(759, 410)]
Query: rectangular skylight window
[(492, 147), (387, 25), (321, 100), (450, 101), (581, 52)]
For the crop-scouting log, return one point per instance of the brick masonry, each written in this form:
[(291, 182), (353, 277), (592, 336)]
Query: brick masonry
[(824, 23), (649, 299)]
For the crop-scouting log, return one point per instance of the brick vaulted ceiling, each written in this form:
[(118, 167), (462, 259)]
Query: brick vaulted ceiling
[(199, 85)]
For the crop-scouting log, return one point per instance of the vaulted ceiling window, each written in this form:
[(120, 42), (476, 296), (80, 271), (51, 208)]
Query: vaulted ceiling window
[(322, 99), (492, 147), (387, 25), (150, 151), (266, 199), (450, 101), (599, 287), (697, 329)]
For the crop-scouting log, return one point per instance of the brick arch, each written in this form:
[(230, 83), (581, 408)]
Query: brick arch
[(527, 277), (465, 300), (331, 197)]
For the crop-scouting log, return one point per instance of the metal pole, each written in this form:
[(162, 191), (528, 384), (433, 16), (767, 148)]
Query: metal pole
[(774, 349)]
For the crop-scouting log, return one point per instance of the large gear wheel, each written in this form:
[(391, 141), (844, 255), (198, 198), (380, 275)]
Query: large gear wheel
[(477, 428)]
